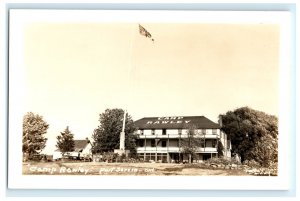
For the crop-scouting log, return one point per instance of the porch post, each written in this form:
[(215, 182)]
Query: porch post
[(179, 158), (155, 148), (168, 157), (145, 144)]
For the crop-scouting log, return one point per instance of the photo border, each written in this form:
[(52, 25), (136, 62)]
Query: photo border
[(290, 95)]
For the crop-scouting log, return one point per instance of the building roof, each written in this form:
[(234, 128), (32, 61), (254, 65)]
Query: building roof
[(180, 122), (80, 145)]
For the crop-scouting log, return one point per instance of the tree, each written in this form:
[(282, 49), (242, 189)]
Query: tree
[(34, 128), (253, 134), (65, 141), (107, 136), (266, 151), (220, 148), (190, 144)]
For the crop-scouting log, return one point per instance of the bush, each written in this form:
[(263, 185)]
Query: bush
[(37, 157), (121, 159), (109, 157), (254, 168), (251, 163), (221, 160)]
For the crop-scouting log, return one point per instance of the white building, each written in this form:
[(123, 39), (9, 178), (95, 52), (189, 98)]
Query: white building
[(160, 138), (82, 150)]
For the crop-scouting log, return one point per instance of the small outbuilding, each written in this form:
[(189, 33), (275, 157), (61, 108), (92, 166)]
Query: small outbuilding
[(82, 151)]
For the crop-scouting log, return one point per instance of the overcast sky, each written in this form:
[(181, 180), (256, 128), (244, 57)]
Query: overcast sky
[(74, 71)]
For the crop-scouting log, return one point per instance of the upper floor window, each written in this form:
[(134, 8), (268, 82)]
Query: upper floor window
[(153, 132), (164, 131), (202, 143), (142, 131), (164, 143), (203, 131), (141, 143), (214, 131), (153, 143), (214, 143), (179, 131)]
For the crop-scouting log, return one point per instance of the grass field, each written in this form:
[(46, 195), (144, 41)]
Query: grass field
[(139, 169)]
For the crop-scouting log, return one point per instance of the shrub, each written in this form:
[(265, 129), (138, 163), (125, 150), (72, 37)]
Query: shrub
[(109, 157), (220, 160), (251, 163)]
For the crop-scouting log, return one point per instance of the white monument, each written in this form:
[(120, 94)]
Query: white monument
[(122, 140)]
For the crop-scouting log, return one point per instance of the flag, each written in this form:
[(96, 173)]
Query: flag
[(144, 32)]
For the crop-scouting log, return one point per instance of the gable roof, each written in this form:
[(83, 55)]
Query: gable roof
[(200, 122), (80, 145)]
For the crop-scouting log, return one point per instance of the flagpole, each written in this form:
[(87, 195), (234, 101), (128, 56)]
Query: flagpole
[(122, 134), (145, 33)]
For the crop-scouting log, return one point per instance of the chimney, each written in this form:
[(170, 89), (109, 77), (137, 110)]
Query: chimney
[(87, 140), (220, 121)]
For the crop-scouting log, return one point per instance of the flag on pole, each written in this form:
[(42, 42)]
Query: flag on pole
[(144, 32)]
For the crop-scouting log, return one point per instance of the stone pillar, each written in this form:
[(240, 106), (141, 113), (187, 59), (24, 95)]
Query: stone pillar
[(122, 140)]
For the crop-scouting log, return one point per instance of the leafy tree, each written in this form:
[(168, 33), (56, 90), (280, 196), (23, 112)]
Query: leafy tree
[(192, 142), (65, 141), (253, 134), (34, 128), (220, 149), (266, 151), (107, 136)]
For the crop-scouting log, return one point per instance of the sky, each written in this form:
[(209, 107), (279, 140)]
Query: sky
[(74, 71)]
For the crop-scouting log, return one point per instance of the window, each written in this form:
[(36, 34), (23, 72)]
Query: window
[(163, 143), (214, 143), (203, 131), (214, 131), (142, 131), (162, 157), (202, 144), (141, 143), (164, 131), (153, 132), (179, 131), (152, 143)]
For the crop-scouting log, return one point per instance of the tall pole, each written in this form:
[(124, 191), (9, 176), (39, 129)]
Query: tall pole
[(145, 33), (122, 134)]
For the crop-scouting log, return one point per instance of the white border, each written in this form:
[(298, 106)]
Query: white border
[(18, 18)]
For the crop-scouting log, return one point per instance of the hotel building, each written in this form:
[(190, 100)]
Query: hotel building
[(160, 138)]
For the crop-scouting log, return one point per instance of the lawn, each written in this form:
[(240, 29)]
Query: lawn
[(139, 169)]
